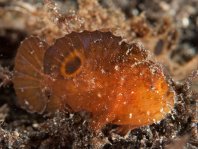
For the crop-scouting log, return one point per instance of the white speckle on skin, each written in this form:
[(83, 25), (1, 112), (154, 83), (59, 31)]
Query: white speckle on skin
[(32, 52), (26, 103), (40, 44), (99, 95), (103, 71), (122, 80), (117, 68), (120, 94), (161, 110), (154, 120), (130, 115)]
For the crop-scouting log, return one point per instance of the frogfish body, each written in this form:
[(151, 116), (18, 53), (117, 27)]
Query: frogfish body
[(96, 72)]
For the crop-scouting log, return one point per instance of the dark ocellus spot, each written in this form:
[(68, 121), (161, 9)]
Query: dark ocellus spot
[(159, 47), (73, 65)]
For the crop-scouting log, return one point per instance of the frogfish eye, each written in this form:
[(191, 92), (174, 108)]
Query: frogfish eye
[(71, 65)]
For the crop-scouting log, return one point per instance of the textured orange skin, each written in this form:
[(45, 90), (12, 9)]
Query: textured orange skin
[(115, 83)]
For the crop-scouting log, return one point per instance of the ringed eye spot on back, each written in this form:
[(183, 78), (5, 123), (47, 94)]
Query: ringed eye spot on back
[(71, 65)]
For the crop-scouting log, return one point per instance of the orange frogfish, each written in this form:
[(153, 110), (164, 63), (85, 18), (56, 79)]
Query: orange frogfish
[(95, 72)]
